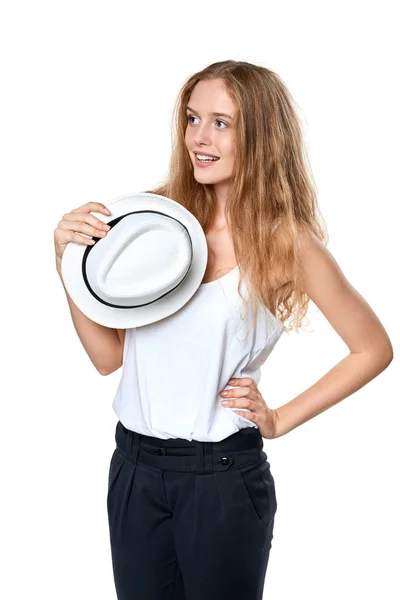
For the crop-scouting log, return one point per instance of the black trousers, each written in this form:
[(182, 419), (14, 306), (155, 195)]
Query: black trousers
[(190, 520)]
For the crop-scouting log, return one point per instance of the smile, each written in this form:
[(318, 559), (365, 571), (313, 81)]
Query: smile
[(205, 161), (205, 157)]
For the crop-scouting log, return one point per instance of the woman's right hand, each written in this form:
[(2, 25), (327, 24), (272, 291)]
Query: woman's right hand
[(79, 220)]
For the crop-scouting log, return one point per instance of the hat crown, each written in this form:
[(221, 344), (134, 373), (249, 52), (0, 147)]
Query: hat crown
[(145, 255), (147, 267)]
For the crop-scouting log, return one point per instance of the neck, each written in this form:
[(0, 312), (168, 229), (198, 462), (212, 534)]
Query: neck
[(221, 192)]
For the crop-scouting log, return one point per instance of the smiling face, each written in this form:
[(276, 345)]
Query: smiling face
[(209, 133)]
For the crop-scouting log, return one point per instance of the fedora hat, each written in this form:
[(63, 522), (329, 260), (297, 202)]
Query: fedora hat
[(146, 268)]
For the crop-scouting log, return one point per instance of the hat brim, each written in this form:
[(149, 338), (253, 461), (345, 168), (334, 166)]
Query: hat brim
[(71, 267)]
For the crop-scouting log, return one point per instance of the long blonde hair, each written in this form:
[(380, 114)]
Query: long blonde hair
[(272, 193)]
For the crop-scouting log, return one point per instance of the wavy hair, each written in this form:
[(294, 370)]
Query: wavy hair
[(272, 193)]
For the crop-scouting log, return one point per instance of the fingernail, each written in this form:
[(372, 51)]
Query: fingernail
[(231, 381), (224, 402)]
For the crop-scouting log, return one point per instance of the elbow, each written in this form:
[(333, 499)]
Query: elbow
[(384, 356), (388, 355), (113, 363), (382, 351), (103, 372), (387, 352), (110, 369)]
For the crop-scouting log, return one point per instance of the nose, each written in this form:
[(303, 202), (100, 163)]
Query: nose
[(202, 135)]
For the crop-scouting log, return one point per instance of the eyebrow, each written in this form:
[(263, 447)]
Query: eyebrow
[(212, 114)]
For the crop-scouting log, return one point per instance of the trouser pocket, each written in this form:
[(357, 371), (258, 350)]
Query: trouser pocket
[(116, 464), (259, 487)]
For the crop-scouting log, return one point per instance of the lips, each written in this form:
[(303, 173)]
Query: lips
[(206, 154), (204, 164)]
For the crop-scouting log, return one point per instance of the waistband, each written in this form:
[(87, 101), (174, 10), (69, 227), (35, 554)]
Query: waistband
[(178, 454)]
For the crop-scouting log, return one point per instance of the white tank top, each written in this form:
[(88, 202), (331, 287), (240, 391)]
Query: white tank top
[(174, 369)]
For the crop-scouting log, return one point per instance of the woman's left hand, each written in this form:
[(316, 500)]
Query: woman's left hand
[(247, 395)]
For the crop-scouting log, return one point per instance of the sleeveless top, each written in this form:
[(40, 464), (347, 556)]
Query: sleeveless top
[(174, 369)]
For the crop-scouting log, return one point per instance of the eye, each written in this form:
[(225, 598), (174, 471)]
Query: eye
[(217, 121)]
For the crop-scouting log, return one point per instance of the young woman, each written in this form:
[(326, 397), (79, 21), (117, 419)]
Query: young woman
[(191, 497)]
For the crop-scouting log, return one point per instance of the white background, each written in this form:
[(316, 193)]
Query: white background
[(88, 91)]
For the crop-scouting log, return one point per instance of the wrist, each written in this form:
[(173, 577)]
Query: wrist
[(278, 432)]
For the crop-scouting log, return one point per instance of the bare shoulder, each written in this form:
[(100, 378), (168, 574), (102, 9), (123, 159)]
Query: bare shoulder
[(320, 271), (343, 306)]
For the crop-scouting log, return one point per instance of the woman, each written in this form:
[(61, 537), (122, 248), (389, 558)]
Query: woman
[(191, 498)]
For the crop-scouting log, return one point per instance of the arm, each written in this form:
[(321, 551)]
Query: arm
[(103, 345), (359, 327)]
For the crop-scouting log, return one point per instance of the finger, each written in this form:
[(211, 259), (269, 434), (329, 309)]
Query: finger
[(241, 403), (74, 237), (86, 218), (77, 226), (240, 392), (92, 206), (246, 381), (252, 416)]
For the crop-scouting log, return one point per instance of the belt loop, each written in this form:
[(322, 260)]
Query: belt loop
[(132, 445), (208, 458), (200, 455), (260, 445), (204, 453), (135, 447), (128, 442)]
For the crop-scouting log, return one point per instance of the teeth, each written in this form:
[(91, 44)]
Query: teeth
[(205, 158)]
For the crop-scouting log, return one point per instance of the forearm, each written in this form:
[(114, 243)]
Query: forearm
[(345, 378), (102, 344)]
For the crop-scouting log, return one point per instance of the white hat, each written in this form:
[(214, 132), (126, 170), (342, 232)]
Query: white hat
[(147, 267)]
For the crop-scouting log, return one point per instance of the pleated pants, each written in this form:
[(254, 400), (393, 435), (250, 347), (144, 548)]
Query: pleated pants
[(190, 520)]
